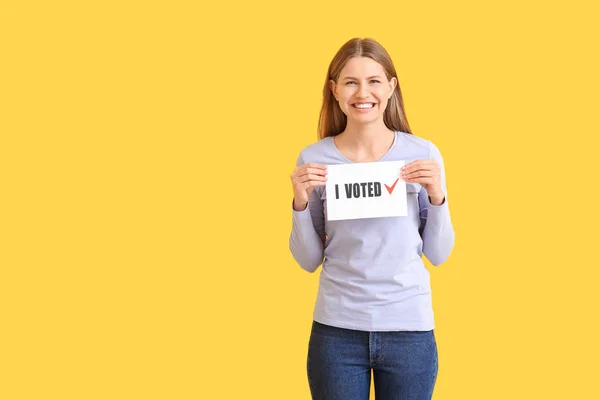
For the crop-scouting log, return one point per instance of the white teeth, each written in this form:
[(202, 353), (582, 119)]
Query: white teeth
[(364, 105)]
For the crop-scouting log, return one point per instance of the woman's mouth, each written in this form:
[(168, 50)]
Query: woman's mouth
[(363, 106)]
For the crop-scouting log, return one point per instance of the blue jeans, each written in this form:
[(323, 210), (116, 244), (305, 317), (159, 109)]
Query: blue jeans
[(404, 364)]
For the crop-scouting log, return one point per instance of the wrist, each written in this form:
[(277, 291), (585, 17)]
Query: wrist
[(436, 201), (436, 198), (299, 206)]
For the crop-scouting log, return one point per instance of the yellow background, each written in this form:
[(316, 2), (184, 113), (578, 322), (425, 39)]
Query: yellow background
[(146, 149)]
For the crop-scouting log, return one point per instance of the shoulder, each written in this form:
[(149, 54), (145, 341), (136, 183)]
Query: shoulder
[(318, 152), (419, 144)]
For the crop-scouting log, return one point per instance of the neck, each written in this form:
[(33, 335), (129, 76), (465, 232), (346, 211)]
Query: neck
[(363, 143), (367, 136)]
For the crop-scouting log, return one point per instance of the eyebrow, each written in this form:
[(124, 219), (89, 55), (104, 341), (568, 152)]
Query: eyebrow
[(356, 79)]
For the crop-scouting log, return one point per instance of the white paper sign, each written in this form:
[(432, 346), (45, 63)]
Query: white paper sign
[(365, 190)]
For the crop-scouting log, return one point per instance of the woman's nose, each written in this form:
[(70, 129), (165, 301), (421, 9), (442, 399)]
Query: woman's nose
[(362, 91)]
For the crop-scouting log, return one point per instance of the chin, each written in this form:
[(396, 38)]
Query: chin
[(366, 119)]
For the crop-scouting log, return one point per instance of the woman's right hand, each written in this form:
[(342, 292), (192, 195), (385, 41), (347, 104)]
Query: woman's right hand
[(304, 179)]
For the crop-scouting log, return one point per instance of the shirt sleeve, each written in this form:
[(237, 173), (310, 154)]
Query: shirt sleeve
[(307, 239), (436, 226)]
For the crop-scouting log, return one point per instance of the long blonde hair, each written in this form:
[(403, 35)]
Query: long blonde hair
[(332, 121)]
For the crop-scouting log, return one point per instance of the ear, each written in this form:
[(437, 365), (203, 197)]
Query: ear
[(333, 88), (393, 84)]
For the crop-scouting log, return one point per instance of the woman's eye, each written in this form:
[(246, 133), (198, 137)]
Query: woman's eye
[(372, 81)]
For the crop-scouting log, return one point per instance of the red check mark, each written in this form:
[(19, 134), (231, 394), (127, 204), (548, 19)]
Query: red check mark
[(391, 189)]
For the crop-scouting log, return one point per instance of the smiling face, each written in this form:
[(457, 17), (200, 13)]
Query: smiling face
[(363, 90)]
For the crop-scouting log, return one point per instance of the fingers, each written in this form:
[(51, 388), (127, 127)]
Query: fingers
[(424, 172), (315, 165), (307, 176), (311, 167), (308, 184), (420, 174), (421, 165), (423, 181), (313, 171), (310, 171), (420, 169), (311, 177)]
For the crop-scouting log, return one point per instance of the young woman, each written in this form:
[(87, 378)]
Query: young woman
[(373, 310)]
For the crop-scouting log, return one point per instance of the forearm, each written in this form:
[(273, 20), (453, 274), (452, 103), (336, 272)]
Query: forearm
[(305, 243), (438, 233)]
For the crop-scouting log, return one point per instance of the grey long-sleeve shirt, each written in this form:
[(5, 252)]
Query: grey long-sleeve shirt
[(373, 277)]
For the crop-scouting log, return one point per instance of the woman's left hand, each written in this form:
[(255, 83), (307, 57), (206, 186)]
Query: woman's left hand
[(427, 174)]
